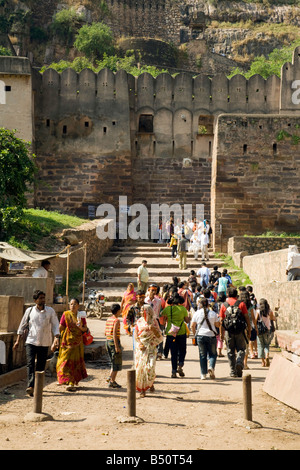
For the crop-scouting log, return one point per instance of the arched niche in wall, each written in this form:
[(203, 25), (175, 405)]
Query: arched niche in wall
[(163, 126), (182, 131)]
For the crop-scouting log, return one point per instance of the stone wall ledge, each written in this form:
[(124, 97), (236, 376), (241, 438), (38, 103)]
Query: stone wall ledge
[(288, 340)]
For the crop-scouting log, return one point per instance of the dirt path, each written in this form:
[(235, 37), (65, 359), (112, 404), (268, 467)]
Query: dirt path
[(183, 413)]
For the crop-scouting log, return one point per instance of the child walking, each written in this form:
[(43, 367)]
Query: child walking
[(173, 245), (113, 344)]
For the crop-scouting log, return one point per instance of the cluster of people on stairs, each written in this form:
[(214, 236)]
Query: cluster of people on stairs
[(159, 321), (183, 237), (206, 305)]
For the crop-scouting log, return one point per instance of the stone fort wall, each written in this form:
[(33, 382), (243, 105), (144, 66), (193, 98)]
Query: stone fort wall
[(181, 139)]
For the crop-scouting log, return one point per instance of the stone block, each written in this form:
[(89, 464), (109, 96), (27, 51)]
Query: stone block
[(11, 312), (283, 381)]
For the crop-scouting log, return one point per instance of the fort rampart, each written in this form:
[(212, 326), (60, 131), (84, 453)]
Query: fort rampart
[(229, 144)]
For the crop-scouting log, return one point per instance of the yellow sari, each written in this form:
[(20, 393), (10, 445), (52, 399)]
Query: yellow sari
[(70, 366)]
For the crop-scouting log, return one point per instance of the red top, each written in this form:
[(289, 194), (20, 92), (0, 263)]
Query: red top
[(232, 301)]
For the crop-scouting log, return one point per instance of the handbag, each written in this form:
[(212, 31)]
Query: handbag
[(26, 328), (261, 327), (174, 329), (87, 338)]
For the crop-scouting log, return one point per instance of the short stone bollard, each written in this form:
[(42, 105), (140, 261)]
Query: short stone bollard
[(247, 394), (131, 392), (36, 414)]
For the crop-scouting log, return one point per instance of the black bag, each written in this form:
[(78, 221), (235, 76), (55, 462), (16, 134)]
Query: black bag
[(261, 327), (234, 321), (26, 329)]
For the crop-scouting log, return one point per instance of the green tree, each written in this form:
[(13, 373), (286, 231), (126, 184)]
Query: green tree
[(4, 51), (65, 24), (270, 65), (95, 40), (17, 172)]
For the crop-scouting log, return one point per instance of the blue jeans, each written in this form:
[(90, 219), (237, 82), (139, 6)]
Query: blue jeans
[(207, 350), (263, 344)]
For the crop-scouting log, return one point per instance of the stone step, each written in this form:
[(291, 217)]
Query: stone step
[(163, 261), (165, 271)]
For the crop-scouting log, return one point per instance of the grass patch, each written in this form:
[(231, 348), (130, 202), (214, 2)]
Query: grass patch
[(238, 276), (39, 225), (272, 234)]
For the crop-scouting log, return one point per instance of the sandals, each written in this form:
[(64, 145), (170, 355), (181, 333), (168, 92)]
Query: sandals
[(71, 388), (114, 385)]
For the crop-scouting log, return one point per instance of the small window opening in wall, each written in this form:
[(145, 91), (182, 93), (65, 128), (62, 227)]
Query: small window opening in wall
[(146, 123), (48, 123), (104, 130), (245, 148), (209, 148), (113, 123), (65, 129), (206, 124), (86, 123), (274, 149), (7, 88)]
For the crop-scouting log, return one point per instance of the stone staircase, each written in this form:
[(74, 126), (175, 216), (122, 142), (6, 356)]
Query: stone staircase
[(160, 265)]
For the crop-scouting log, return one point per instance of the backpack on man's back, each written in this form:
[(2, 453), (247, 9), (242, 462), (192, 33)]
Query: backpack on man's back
[(234, 321)]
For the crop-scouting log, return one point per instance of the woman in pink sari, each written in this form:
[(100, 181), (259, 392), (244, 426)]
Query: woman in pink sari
[(147, 335), (129, 298)]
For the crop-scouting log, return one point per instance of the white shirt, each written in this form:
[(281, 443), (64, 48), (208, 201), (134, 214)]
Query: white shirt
[(42, 325), (293, 261), (143, 272), (204, 329), (155, 304), (204, 240), (204, 274), (40, 272)]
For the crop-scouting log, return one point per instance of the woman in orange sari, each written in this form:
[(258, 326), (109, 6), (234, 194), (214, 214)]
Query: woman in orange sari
[(70, 366), (128, 300)]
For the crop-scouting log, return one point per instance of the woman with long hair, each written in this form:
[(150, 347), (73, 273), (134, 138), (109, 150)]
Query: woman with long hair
[(204, 324), (264, 319)]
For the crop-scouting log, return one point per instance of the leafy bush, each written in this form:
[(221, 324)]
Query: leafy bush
[(268, 66), (4, 51), (94, 40), (112, 62), (17, 172), (65, 24)]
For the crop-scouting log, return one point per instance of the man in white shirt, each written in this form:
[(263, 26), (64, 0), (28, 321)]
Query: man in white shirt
[(143, 276), (42, 271), (42, 324), (204, 274), (152, 300), (293, 264)]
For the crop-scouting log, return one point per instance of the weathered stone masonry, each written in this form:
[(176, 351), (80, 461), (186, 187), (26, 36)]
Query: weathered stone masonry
[(187, 140)]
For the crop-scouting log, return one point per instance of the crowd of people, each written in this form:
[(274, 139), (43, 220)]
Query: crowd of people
[(185, 236), (206, 305)]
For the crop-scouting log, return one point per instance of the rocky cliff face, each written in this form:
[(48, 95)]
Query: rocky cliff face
[(237, 31)]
